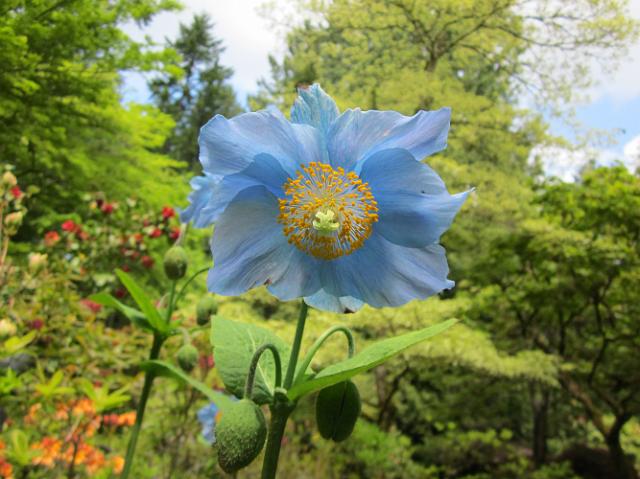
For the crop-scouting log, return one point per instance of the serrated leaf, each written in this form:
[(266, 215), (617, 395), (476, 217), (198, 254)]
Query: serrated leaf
[(143, 302), (234, 344), (135, 316), (168, 370), (368, 358)]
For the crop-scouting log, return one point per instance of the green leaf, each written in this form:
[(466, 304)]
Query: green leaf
[(52, 387), (15, 344), (103, 400), (234, 344), (368, 358), (168, 370), (19, 450), (143, 302), (135, 316)]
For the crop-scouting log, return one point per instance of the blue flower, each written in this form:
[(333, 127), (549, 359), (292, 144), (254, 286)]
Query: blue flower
[(335, 208), (207, 417)]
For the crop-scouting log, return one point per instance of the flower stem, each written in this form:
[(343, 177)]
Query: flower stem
[(282, 407), (146, 389), (295, 348)]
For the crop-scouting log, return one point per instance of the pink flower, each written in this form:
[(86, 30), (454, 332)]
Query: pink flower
[(107, 208), (155, 233), (16, 192), (70, 226), (174, 234), (147, 261), (91, 305)]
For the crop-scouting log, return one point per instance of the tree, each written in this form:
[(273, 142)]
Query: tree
[(196, 91), (61, 121), (566, 285)]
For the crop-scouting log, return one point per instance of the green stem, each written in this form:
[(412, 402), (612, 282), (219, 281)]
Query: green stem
[(319, 342), (282, 407), (146, 389), (183, 290), (279, 415), (295, 348), (248, 387), (171, 304)]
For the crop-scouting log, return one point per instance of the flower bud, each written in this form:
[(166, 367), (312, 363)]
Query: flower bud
[(13, 219), (37, 261), (206, 307), (337, 410), (187, 357), (175, 262), (240, 435), (9, 179), (7, 328)]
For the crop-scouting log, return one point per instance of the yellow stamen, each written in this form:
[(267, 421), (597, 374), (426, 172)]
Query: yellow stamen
[(327, 213)]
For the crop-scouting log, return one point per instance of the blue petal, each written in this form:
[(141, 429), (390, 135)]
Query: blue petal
[(314, 107), (382, 273), (228, 146), (337, 304), (249, 248), (300, 277), (415, 207), (199, 199), (264, 170), (357, 134)]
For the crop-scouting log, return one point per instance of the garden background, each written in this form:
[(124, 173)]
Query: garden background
[(98, 139)]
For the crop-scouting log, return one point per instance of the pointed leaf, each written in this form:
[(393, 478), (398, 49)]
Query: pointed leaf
[(135, 316), (234, 344), (168, 370), (143, 302), (368, 358)]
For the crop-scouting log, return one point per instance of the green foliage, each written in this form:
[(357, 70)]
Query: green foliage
[(194, 89)]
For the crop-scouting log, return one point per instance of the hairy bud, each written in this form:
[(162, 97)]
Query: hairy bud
[(337, 410), (175, 262), (240, 435), (187, 357), (206, 307)]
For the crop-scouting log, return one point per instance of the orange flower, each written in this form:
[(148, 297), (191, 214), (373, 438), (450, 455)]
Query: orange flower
[(117, 464)]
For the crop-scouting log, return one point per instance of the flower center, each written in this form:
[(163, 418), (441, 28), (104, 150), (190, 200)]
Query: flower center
[(327, 213)]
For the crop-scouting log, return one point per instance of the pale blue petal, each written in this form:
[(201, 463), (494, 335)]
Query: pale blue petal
[(249, 248), (337, 304), (199, 199), (264, 170), (357, 134), (382, 273), (314, 107), (228, 146), (299, 278), (415, 208)]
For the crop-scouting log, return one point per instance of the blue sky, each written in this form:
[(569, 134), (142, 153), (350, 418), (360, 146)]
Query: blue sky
[(249, 38)]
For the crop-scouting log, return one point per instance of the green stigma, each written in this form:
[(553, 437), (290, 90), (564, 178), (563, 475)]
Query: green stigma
[(324, 223)]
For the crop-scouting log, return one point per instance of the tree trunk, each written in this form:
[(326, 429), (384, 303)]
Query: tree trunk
[(540, 408), (621, 465)]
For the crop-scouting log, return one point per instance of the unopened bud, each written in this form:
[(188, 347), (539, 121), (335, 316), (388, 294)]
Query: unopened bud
[(9, 179), (13, 219), (175, 262), (206, 307), (337, 410), (240, 435), (187, 357)]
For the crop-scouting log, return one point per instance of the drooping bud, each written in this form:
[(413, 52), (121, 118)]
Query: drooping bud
[(187, 357), (337, 410), (240, 435), (175, 262), (206, 307)]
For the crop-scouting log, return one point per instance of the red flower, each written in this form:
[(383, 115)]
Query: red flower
[(125, 267), (138, 237), (147, 261), (120, 293), (16, 192), (36, 324), (174, 234), (51, 238), (107, 208), (91, 305), (155, 233), (168, 212), (69, 226)]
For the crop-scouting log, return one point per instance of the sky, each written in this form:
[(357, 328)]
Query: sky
[(249, 39)]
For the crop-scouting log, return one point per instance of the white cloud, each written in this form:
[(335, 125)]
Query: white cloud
[(632, 151)]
